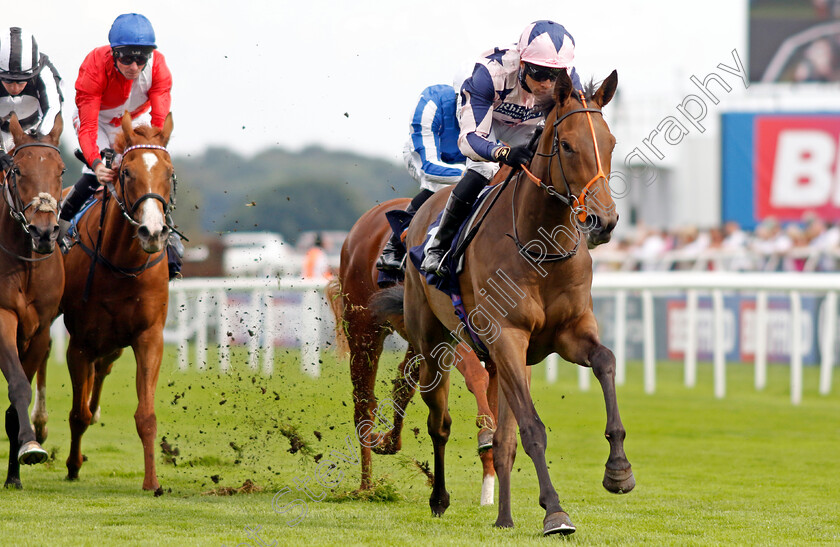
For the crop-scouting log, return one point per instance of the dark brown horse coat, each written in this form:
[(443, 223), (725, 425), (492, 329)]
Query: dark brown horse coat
[(526, 307), (31, 282), (128, 300)]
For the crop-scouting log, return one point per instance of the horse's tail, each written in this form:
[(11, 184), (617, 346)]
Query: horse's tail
[(387, 306), (336, 299)]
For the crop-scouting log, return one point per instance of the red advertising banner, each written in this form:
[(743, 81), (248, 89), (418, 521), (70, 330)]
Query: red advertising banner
[(796, 166)]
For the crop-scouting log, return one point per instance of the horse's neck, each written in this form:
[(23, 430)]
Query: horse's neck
[(542, 217), (118, 238)]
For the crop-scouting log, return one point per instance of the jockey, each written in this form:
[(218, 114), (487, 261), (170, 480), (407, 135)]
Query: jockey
[(130, 75), (431, 156), (500, 106), (23, 91)]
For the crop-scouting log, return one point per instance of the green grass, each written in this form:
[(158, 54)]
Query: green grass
[(748, 469)]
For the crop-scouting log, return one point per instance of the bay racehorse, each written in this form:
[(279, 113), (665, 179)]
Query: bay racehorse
[(31, 282), (363, 334), (529, 274), (117, 289)]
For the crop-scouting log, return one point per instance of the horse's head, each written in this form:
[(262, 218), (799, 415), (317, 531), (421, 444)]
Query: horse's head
[(145, 180), (33, 186), (580, 147)]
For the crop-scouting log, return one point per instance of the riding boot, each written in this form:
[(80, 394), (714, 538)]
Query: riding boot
[(174, 237), (454, 214), (393, 254), (174, 250)]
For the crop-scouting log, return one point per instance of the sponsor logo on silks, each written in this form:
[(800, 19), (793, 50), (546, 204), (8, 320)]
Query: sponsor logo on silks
[(799, 166), (518, 112)]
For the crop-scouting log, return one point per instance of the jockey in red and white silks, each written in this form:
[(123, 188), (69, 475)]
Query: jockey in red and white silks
[(103, 95)]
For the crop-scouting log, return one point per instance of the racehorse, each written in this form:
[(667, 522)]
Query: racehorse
[(117, 289), (528, 274), (31, 281), (358, 331)]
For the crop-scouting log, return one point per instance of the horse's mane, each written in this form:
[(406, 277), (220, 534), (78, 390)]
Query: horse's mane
[(589, 90), (146, 132)]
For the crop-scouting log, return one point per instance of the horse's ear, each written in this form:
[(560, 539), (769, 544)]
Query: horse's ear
[(562, 88), (16, 130), (607, 90), (58, 127), (126, 125), (166, 131)]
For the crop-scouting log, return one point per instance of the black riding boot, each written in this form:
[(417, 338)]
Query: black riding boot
[(76, 198), (456, 211), (393, 254)]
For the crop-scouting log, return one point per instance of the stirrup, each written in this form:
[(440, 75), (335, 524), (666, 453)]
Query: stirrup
[(438, 269)]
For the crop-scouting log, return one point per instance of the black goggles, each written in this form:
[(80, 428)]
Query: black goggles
[(542, 73), (14, 80), (128, 59)]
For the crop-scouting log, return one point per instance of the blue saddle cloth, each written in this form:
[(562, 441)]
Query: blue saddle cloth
[(75, 220)]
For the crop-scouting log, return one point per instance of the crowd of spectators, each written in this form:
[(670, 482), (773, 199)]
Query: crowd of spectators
[(810, 245)]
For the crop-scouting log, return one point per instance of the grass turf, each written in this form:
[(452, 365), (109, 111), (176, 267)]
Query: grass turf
[(747, 469)]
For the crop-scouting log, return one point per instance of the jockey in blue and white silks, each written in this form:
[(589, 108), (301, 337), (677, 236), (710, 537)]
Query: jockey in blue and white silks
[(500, 106), (431, 156)]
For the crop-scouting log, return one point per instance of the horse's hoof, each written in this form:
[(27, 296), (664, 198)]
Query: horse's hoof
[(13, 484), (558, 523), (31, 453), (619, 481), (385, 444), (485, 439), (506, 522), (159, 491), (72, 478), (439, 505)]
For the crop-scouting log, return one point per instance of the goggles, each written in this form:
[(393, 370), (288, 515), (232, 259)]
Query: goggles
[(128, 59), (541, 73)]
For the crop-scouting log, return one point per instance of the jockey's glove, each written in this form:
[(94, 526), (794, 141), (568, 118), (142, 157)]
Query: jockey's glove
[(513, 156), (6, 162)]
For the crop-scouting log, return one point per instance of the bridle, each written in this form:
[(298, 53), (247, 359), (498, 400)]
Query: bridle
[(17, 210), (128, 209), (576, 203)]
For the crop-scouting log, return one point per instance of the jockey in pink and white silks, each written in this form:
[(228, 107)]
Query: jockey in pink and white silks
[(500, 106)]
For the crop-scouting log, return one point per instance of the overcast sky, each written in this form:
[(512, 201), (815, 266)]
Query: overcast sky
[(252, 74)]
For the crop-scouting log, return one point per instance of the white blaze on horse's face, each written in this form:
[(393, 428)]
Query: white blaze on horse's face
[(153, 231)]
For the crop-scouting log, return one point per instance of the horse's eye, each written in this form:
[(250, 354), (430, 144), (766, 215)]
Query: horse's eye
[(566, 147)]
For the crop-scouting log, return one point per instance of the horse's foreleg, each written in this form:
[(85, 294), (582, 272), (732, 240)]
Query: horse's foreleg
[(618, 476), (478, 382), (403, 391), (148, 352), (13, 474), (80, 365), (39, 413), (365, 348), (510, 362)]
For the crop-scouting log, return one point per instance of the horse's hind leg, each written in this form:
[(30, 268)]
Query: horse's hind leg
[(365, 349), (504, 454), (484, 388), (618, 475), (80, 365), (39, 413), (101, 370), (402, 393)]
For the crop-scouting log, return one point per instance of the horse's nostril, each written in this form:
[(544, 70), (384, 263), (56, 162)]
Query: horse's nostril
[(143, 232)]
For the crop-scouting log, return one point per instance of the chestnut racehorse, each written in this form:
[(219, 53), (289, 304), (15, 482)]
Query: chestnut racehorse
[(530, 273), (358, 331), (117, 288), (31, 281)]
